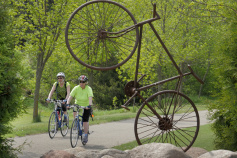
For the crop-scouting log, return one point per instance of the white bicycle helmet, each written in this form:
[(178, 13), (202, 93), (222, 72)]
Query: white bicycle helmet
[(61, 74)]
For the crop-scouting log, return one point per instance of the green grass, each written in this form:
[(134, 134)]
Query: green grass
[(204, 140)]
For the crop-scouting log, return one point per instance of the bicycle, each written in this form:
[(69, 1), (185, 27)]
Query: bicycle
[(108, 36), (77, 127), (56, 120)]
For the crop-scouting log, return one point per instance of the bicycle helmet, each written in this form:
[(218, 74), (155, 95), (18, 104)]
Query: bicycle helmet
[(61, 74), (83, 78)]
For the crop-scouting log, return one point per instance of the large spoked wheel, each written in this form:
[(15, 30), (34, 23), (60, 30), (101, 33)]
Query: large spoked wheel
[(181, 130), (99, 34), (74, 135), (64, 126), (52, 126)]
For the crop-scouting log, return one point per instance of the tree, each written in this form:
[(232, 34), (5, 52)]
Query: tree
[(224, 111), (183, 36), (11, 82), (40, 24)]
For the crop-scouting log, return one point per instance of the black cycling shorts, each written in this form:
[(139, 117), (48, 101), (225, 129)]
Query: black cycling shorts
[(86, 115)]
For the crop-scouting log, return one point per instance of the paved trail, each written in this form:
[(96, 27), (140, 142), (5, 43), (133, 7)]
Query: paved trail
[(104, 136)]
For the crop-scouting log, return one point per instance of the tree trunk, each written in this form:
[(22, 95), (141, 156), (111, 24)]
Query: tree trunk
[(208, 67), (39, 71)]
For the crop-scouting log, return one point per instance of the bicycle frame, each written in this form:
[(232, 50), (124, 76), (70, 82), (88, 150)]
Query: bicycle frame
[(78, 123), (57, 107), (135, 89), (77, 127), (57, 118), (55, 122), (156, 119)]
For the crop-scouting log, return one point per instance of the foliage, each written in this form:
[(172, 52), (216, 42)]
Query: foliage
[(224, 111), (107, 86), (38, 27), (185, 38), (188, 29), (11, 82)]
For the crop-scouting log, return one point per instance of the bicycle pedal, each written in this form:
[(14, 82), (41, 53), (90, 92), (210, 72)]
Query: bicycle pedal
[(90, 132)]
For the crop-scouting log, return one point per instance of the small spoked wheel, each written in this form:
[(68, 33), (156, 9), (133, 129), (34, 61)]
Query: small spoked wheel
[(96, 34), (74, 135), (179, 124), (64, 125), (52, 126)]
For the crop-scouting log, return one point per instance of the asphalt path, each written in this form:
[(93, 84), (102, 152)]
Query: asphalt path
[(102, 136)]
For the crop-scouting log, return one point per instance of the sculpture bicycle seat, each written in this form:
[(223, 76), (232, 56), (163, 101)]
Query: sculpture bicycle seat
[(103, 35)]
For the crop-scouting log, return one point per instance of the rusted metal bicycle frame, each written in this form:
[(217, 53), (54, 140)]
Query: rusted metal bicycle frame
[(135, 89), (165, 120)]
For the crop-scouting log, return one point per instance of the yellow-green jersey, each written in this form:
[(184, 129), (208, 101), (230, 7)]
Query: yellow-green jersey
[(82, 95)]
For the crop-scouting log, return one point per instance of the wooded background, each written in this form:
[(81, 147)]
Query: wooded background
[(202, 33)]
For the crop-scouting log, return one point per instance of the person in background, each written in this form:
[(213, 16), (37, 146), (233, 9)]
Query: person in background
[(83, 95), (62, 89)]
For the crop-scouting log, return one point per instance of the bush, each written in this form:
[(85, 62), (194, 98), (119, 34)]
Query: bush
[(10, 85), (224, 111)]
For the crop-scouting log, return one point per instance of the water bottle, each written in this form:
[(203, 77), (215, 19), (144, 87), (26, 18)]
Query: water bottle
[(59, 117)]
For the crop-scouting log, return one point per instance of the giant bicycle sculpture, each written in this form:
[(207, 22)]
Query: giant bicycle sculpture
[(103, 35)]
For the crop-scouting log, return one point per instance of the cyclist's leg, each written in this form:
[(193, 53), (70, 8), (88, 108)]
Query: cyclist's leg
[(64, 112), (85, 117)]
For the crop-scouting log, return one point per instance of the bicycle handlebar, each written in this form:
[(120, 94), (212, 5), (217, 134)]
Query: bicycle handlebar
[(154, 11), (54, 101), (77, 106), (189, 67)]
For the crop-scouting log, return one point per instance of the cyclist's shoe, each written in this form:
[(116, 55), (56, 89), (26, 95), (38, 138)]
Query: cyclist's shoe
[(84, 138)]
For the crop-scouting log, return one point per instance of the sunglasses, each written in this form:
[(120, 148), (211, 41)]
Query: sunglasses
[(82, 81), (60, 78)]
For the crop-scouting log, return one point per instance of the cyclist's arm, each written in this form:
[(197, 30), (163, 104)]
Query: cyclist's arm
[(90, 101), (51, 92), (69, 99), (68, 92)]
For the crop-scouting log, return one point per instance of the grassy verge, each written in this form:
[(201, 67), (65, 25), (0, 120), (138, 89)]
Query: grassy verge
[(204, 140)]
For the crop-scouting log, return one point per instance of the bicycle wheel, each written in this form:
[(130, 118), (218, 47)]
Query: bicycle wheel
[(52, 126), (89, 41), (180, 131), (74, 135), (64, 125)]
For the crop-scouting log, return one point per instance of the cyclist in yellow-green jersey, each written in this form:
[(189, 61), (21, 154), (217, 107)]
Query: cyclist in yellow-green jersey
[(83, 95)]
